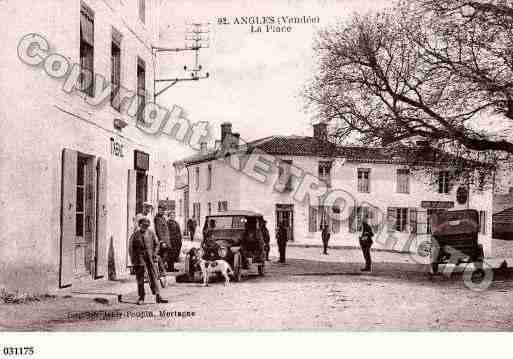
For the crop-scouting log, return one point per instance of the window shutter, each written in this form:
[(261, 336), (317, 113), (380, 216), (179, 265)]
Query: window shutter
[(149, 194), (312, 216), (68, 213), (87, 25), (413, 220), (391, 213), (351, 219), (101, 219), (131, 225)]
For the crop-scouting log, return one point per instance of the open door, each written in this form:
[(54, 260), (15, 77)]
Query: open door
[(68, 217), (101, 219)]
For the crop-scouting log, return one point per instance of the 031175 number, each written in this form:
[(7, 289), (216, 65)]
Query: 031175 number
[(9, 351)]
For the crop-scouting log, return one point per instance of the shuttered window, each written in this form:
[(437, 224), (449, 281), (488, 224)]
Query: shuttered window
[(444, 182), (87, 50), (403, 180), (402, 219), (115, 67), (141, 87), (142, 10), (363, 180)]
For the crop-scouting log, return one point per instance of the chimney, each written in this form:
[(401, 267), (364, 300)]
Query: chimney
[(203, 148), (226, 130), (321, 131)]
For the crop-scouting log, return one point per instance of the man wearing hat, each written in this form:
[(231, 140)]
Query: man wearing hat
[(163, 235), (146, 212), (143, 250)]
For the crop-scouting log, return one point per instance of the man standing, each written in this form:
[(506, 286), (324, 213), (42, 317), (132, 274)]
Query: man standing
[(146, 212), (162, 232), (281, 239), (191, 228), (175, 236), (143, 249), (366, 243), (267, 240), (325, 234)]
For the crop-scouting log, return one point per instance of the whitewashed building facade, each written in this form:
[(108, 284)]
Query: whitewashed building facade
[(73, 173), (275, 175)]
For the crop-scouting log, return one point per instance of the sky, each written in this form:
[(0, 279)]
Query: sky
[(255, 78)]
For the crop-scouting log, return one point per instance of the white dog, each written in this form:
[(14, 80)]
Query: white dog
[(216, 266)]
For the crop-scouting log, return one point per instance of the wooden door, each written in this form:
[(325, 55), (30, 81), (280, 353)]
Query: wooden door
[(101, 219), (68, 217)]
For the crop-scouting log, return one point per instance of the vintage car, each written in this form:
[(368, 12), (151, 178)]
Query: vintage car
[(454, 238), (235, 236)]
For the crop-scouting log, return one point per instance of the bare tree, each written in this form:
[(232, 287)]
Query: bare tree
[(430, 68)]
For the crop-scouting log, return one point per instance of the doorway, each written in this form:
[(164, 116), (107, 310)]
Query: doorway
[(285, 214), (83, 249), (84, 217)]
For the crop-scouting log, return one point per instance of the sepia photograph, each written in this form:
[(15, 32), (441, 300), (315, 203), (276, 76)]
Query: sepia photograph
[(255, 166)]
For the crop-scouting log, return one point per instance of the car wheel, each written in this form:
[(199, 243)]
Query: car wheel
[(237, 265), (188, 267), (261, 269)]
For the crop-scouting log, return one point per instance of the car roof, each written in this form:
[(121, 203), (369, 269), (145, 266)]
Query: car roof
[(236, 213)]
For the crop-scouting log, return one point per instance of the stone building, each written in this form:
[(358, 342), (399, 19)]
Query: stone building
[(290, 178), (74, 167)]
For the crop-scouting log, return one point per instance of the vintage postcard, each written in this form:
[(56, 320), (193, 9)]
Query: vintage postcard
[(223, 165)]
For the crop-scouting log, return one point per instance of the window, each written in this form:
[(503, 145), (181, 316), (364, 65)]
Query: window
[(443, 182), (81, 197), (87, 50), (284, 175), (482, 222), (325, 172), (196, 215), (403, 180), (115, 76), (197, 170), (364, 180), (209, 177), (141, 87), (402, 219), (142, 10), (320, 215), (431, 212), (357, 214), (222, 206), (209, 208)]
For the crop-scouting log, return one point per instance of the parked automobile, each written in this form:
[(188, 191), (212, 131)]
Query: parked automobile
[(235, 236), (455, 234)]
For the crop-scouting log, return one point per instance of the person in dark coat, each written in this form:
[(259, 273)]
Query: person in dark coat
[(267, 240), (281, 239), (191, 228), (143, 250), (325, 234), (162, 232), (175, 236), (366, 243)]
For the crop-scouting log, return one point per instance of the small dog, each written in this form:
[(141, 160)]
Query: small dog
[(215, 266)]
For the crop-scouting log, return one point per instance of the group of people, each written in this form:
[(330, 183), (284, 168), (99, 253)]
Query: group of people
[(150, 247), (365, 242)]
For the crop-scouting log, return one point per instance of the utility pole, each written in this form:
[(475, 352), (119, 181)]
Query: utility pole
[(197, 37)]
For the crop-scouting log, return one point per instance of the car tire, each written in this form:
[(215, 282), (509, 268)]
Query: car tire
[(261, 269), (237, 266), (188, 267)]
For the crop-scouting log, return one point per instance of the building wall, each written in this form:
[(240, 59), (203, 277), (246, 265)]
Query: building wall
[(262, 197), (41, 120), (226, 186)]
